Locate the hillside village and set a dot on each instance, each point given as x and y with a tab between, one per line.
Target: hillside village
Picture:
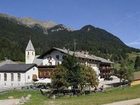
69	52
85	61
39	67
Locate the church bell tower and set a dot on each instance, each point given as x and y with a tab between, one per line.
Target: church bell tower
29	53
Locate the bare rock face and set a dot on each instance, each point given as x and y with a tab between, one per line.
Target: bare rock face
32	22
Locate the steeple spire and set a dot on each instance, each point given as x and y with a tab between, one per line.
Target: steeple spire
29	53
30	46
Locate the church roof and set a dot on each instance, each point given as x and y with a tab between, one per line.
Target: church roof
16	67
30	46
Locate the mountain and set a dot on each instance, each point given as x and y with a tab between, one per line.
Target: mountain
33	23
15	34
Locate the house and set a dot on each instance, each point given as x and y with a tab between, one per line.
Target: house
17	75
53	57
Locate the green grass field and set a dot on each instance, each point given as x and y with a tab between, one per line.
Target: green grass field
112	95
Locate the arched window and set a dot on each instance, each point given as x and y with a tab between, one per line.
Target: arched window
57	57
28	77
19	76
5	77
12	76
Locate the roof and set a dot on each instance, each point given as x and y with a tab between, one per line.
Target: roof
137	75
103	60
16	67
77	54
37	60
30	46
7	61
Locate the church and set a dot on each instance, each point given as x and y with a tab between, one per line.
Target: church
13	74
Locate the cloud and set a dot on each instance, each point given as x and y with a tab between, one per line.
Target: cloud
134	43
137	42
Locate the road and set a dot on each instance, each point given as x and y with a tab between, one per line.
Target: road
126	102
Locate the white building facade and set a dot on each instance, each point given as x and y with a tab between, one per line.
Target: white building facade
17	75
55	56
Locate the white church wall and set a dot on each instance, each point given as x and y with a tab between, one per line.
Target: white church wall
29	74
29	57
9	83
25	78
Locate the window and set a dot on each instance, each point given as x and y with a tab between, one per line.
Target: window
32	53
57	56
50	60
28	77
28	52
19	76
49	57
12	76
50	63
5	77
0	77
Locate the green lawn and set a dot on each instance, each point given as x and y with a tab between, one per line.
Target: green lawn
112	95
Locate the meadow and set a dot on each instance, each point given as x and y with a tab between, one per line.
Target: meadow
110	95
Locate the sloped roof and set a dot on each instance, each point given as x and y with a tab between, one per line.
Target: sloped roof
103	60
8	61
16	67
77	54
37	60
30	46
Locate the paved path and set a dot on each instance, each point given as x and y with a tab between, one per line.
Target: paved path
127	102
9	101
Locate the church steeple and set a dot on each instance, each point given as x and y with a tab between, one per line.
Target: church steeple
29	53
30	46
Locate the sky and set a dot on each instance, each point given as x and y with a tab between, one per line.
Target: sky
119	17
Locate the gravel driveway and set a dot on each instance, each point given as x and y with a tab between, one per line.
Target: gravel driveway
9	102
